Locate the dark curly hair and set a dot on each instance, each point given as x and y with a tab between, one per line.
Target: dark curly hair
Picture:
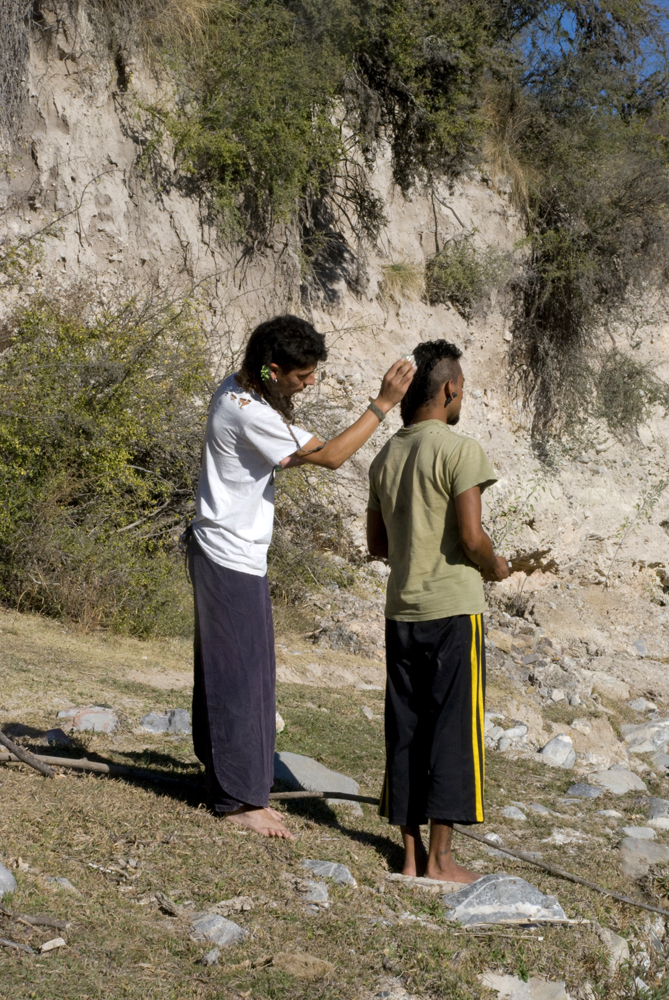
289	342
430	375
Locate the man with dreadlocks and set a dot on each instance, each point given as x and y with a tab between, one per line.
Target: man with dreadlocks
249	435
424	516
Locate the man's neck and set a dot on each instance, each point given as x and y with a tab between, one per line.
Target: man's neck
430	413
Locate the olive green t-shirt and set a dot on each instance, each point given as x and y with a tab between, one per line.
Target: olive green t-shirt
413	481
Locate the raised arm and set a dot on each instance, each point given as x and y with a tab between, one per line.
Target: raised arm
475	541
335	452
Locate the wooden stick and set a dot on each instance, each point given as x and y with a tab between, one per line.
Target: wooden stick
560	872
4	943
26	757
348	796
83	764
38	921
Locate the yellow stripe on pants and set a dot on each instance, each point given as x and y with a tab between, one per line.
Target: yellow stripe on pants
479	619
475	704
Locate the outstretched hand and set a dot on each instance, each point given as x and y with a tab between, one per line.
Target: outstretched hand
396	381
497	572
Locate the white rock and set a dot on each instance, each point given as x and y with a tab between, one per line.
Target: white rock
513	988
557	694
636	856
581	726
367	712
280	723
537	808
58	942
299	772
499	899
7	881
640	832
512	812
330	869
559	752
616	946
93	718
617	780
217	929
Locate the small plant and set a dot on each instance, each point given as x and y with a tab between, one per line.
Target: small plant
511	510
627	391
463	274
403	278
644	510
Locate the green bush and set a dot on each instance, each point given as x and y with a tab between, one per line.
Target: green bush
627	391
100	435
464	274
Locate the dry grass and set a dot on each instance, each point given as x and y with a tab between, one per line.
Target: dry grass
121	945
403	278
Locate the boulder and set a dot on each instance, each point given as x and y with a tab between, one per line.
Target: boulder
7	881
636	856
330	869
155	722
297	772
559	752
617	780
93	718
502	898
217	929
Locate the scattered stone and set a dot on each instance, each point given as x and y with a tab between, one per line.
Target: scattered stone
658	814
516	732
300	965
502	640
501	898
95	718
55	738
513	988
237	904
314	892
610	813
330	869
640	647
581	726
616	946
640	832
368	687
512	812
575	700
212	927
298	772
211	957
175	721
636	856
617	780
367	712
641	987
540	810
661	760
609	686
63	883
641	705
167	905
155	722
493	838
7	881
557	694
58	942
559	752
280	723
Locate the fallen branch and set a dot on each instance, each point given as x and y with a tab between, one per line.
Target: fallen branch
83	764
38	921
348	796
26	757
4	943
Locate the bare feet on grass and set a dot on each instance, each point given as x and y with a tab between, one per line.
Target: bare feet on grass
415	855
448	871
267	822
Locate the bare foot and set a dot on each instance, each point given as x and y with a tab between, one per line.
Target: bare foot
415	855
262	821
448	871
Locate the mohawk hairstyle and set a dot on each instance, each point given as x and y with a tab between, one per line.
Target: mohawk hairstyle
435	364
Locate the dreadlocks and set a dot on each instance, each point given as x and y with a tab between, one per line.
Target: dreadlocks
287	341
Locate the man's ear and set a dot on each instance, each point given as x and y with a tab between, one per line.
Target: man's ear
449	390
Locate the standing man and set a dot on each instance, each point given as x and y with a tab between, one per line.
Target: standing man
424	516
249	435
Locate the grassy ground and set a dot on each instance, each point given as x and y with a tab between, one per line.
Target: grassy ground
119	843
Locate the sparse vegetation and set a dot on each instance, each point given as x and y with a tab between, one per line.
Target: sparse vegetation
403	278
463	274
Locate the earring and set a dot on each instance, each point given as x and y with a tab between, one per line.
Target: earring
453	396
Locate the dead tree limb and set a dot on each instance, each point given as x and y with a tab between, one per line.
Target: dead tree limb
4	943
26	757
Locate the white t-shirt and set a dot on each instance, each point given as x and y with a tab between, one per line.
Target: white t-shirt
244	441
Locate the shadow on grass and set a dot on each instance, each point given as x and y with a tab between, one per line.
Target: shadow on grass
318	811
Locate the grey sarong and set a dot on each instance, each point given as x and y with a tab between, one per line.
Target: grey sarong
234	712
